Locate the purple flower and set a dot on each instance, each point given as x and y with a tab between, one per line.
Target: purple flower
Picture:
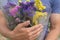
11	4
25	5
14	10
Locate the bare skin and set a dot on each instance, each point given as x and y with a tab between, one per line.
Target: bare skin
20	32
55	27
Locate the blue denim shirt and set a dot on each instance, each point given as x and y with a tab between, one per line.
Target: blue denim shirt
52	6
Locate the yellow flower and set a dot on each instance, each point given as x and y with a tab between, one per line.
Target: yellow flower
37	16
28	0
39	5
20	0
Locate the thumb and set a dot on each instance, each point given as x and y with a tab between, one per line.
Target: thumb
26	23
21	25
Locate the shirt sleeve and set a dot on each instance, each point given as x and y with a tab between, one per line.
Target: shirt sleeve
55	6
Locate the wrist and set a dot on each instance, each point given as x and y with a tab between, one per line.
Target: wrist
10	34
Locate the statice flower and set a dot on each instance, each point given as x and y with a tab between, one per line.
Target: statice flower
33	11
28	11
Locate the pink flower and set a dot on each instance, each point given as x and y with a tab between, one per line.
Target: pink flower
14	10
17	20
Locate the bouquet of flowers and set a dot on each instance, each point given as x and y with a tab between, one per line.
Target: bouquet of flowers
33	11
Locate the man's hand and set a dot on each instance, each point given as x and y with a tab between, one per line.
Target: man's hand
22	33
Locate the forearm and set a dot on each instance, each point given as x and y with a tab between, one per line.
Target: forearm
3	25
55	27
53	34
4	31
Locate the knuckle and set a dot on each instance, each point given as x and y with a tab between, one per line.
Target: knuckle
27	31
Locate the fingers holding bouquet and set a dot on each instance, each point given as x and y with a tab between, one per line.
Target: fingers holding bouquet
22	33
